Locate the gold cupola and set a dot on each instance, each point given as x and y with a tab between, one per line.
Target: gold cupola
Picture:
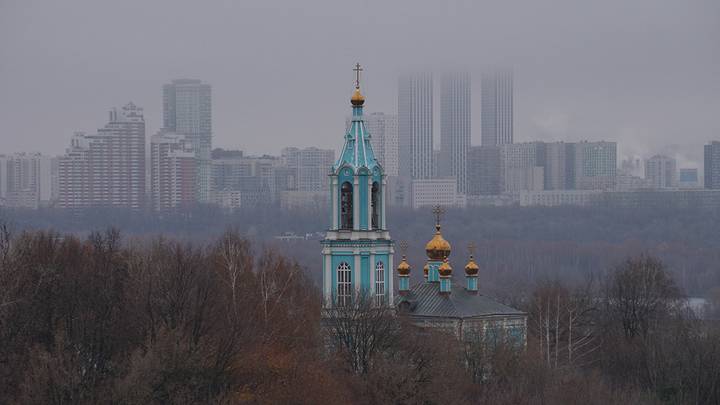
403	268
357	98
471	268
445	270
438	248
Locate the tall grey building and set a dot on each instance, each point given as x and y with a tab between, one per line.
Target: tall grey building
187	110
496	100
484	171
661	172
415	125
712	165
455	127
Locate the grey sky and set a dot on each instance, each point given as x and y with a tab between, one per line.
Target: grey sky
645	73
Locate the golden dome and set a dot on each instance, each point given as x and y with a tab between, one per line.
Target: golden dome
438	248
426	269
404	267
445	270
357	98
472	269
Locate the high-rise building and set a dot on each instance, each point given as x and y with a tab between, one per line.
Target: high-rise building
661	172
108	168
187	110
383	130
496	100
173	172
455	127
594	165
250	179
415	125
554	158
26	180
712	165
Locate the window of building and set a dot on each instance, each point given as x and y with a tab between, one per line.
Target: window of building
344	285
379	283
346	206
375	205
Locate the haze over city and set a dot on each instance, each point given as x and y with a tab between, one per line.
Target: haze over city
643	73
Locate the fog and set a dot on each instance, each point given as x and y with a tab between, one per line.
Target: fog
644	73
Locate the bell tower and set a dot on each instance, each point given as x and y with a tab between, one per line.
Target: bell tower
357	249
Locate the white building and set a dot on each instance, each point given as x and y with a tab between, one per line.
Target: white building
107	168
311	165
554	198
440	191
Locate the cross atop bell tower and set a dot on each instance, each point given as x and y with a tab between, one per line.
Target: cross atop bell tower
357	71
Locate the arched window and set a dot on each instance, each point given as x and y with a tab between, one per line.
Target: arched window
379	283
346	206
344	285
375	205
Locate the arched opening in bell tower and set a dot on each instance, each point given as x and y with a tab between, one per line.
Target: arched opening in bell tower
346	206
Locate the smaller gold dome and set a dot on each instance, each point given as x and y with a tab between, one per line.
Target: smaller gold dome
404	267
357	98
445	270
472	269
426	269
438	248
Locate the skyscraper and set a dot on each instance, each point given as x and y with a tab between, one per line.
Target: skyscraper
108	168
173	172
712	165
415	125
496	100
455	127
26	180
594	165
187	110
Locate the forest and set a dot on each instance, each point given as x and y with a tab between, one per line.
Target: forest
109	318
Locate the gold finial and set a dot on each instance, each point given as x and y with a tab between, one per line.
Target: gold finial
471	269
471	249
438	211
357	98
357	70
404	267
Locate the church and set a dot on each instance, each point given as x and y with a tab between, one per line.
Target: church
358	253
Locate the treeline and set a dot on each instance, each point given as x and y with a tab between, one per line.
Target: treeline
106	319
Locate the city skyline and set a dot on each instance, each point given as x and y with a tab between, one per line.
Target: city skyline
618	77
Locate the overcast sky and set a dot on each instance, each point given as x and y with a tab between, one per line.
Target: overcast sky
644	73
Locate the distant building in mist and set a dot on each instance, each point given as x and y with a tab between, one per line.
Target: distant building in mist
521	168
187	110
484	171
455	131
383	129
688	178
173	172
661	172
594	165
243	181
415	126
27	180
310	166
107	168
712	165
496	100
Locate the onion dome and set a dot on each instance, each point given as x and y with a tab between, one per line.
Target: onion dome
445	270
438	248
403	268
471	268
426	269
357	98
